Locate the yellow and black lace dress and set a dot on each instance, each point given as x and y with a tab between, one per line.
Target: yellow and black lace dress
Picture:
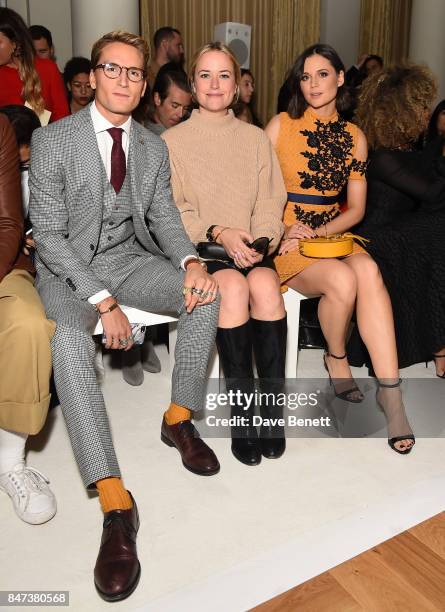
317	158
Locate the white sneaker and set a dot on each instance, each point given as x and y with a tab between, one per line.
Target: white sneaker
33	500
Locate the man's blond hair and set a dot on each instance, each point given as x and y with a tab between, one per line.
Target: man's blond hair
121	36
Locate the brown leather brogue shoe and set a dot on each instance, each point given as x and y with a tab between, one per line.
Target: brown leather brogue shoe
117	569
196	455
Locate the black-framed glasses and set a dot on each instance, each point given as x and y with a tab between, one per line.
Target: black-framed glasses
113	71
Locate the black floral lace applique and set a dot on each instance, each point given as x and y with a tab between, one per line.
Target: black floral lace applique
330	164
358	166
315	219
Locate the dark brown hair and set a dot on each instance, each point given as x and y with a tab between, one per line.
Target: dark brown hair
298	104
167	32
168	75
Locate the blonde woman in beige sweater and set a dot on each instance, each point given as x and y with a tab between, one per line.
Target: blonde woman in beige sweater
228	186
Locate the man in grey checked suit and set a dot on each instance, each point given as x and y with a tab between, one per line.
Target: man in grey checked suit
107	232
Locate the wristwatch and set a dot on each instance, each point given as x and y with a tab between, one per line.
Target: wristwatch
196	260
209	233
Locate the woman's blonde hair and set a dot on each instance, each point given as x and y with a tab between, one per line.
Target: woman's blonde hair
215	46
393	103
13	26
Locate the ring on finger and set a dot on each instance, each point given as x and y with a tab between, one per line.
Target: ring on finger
197	291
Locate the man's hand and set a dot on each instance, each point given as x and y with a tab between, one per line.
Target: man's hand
199	287
117	328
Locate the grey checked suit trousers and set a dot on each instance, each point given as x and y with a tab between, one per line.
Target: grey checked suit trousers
66	213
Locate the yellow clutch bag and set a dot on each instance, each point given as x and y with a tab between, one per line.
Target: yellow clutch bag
335	245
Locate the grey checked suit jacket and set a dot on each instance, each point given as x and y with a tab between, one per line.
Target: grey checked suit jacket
66	199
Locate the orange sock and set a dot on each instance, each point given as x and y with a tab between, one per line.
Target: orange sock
176	414
112	495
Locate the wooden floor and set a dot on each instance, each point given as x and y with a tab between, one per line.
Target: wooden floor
405	573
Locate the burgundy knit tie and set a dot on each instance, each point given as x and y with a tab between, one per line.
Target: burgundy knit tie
118	166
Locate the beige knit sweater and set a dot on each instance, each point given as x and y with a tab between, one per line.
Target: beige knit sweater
225	172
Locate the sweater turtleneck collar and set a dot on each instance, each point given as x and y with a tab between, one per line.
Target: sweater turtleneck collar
213	124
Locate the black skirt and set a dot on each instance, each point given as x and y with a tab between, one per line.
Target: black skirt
217	265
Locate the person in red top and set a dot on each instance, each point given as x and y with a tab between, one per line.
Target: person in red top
25	77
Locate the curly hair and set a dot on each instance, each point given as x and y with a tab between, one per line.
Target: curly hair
393	105
76	65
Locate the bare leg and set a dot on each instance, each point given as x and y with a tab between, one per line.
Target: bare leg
439	360
337	285
266	301
376	326
234	290
374	316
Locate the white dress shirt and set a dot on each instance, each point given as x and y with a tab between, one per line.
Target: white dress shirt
104	139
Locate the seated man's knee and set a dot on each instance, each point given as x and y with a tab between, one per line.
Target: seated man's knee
70	340
213	307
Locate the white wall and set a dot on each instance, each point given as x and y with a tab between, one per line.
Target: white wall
427	42
339	27
91	20
54	15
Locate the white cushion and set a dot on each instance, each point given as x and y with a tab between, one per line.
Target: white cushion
138	316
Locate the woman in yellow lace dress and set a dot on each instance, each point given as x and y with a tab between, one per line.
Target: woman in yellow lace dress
320	154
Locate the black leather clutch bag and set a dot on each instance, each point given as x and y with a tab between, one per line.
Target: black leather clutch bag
212	251
215	251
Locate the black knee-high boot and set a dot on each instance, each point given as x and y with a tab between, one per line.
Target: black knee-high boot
269	345
235	352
